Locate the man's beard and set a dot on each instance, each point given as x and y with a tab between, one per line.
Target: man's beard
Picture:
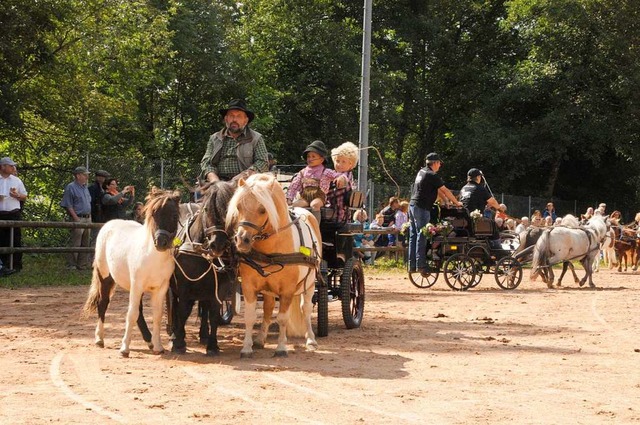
234	128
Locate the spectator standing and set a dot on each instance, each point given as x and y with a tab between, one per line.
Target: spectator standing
76	200
587	215
12	195
235	148
428	186
550	211
389	217
536	218
602	208
115	202
96	190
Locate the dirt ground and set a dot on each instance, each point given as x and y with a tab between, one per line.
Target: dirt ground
485	356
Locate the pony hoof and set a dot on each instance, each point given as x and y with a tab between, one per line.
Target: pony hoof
280	354
258	344
150	345
100	344
182	350
246	355
157	353
213	353
204	341
124	354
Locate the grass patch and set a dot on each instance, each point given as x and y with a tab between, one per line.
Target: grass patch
45	270
386	264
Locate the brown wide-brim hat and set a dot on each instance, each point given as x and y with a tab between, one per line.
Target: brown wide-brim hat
240	105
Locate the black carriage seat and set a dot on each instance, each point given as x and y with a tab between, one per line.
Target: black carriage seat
460	220
486	228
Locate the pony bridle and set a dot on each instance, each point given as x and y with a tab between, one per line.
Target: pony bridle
260	230
211	231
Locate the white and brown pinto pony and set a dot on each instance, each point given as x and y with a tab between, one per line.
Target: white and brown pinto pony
280	252
560	244
139	258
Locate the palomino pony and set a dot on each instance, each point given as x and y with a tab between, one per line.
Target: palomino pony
201	274
560	244
139	258
280	254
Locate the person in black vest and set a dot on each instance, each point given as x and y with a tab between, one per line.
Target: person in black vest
428	187
236	148
96	190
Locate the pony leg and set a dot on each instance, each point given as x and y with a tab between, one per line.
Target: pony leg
144	329
576	279
307	306
249	321
550	277
204	311
157	297
268	304
105	289
212	310
283	320
135	298
183	310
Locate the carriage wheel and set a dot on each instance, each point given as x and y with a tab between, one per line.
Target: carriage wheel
321	299
479	255
352	293
226	311
459	272
508	273
424	281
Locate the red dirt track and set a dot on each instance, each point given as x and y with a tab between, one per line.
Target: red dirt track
483	356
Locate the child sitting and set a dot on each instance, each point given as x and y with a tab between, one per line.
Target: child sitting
310	186
345	158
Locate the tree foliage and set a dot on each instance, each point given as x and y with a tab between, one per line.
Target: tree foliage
540	94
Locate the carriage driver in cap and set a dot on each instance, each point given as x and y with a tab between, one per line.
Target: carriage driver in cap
474	195
235	148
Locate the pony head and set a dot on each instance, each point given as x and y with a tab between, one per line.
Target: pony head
217	196
257	209
161	216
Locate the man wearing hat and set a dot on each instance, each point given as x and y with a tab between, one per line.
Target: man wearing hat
76	200
12	193
235	148
475	196
428	187
96	192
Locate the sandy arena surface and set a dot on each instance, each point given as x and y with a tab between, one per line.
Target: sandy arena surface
434	356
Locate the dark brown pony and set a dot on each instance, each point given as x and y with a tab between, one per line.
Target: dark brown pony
626	246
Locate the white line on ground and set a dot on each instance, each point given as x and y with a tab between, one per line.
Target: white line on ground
54	374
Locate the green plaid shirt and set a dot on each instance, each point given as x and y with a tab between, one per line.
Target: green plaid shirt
225	155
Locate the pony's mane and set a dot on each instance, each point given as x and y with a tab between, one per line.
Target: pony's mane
215	201
266	191
570	220
155	200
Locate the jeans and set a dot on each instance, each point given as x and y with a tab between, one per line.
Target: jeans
418	218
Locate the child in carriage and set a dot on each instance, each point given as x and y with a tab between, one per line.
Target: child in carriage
310	186
345	159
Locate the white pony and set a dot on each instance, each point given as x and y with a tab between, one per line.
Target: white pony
139	258
608	251
559	244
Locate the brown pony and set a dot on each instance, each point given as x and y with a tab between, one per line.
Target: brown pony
626	246
280	252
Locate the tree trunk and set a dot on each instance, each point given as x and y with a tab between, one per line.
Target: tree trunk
553	177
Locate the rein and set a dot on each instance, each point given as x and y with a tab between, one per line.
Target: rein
261	235
260	261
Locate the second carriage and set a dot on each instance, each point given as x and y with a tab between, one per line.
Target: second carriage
466	250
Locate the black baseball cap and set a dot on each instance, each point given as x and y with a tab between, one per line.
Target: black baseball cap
434	157
474	172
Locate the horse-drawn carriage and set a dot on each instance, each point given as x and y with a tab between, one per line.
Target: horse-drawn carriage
465	250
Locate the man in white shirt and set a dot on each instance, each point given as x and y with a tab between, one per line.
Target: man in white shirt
12	193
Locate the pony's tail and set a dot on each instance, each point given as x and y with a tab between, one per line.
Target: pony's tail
297	325
540	255
93	298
